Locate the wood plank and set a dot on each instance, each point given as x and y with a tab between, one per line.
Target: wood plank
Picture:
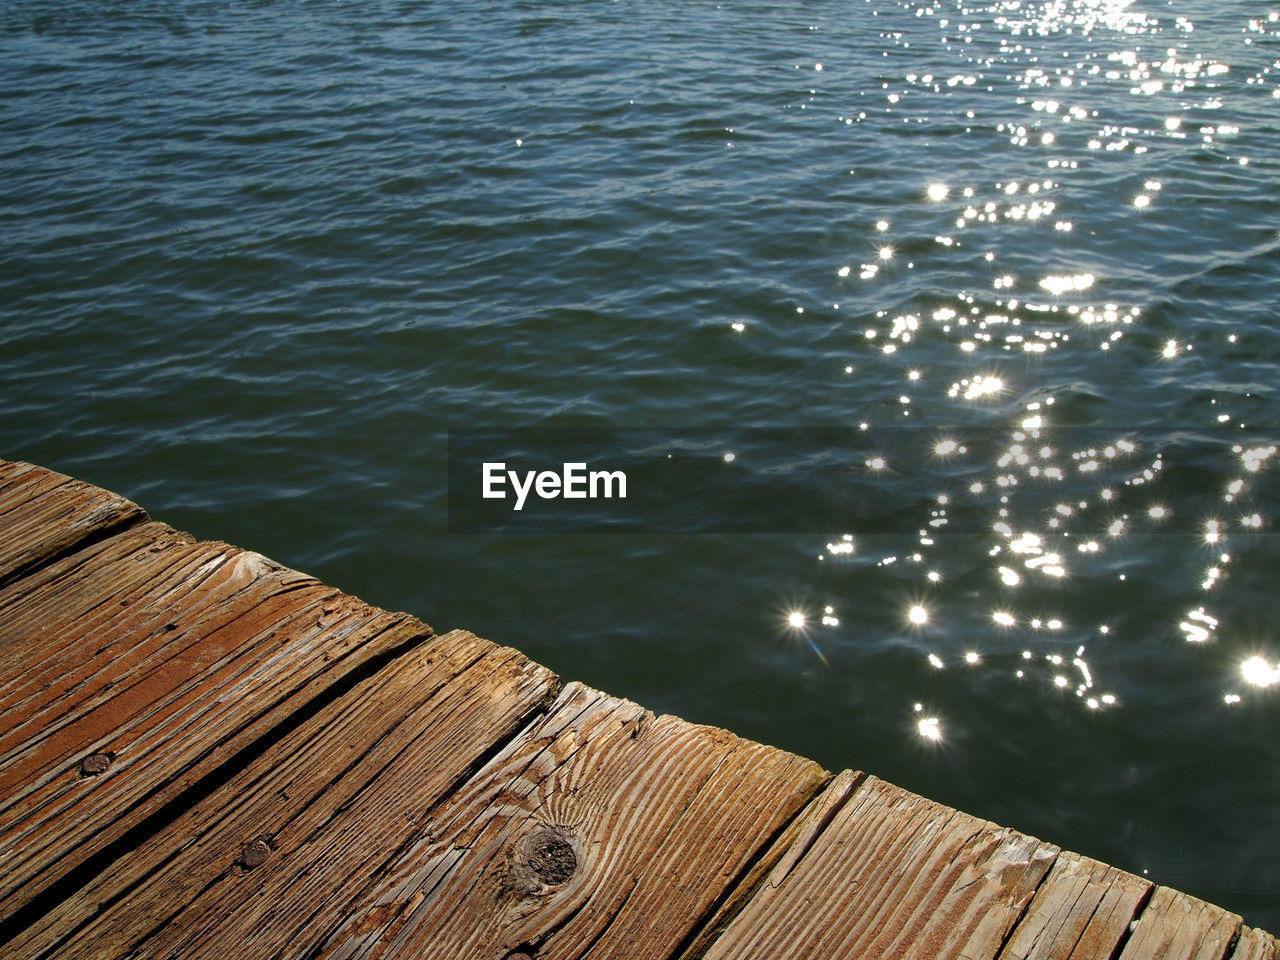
137	665
1081	911
798	837
302	829
598	831
1175	926
892	875
44	515
601	832
1255	945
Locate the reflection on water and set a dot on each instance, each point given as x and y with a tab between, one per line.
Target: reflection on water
1259	673
1026	252
1096	89
1061	517
930	727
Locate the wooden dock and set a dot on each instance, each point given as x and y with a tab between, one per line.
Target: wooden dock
206	754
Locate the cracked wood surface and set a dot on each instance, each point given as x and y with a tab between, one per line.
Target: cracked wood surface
1176	926
45	514
597	831
286	849
132	667
204	754
1256	945
891	874
1081	911
601	831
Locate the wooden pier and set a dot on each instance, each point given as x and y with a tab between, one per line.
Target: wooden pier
206	754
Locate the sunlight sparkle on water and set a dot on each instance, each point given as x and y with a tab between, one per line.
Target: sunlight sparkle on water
843	547
1058	285
1259	672
978	387
1198	626
796	620
1257	457
930	728
968	331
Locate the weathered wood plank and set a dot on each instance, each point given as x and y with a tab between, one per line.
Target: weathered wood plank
299	833
599	831
1175	926
1255	945
44	515
138	664
798	837
363	789
1081	911
892	875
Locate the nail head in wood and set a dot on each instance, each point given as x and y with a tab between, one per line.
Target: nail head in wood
255	854
95	764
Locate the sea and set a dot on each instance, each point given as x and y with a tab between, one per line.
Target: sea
936	344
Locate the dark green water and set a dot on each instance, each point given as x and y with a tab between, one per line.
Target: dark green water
257	260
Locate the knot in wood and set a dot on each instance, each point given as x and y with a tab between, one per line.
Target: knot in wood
546	855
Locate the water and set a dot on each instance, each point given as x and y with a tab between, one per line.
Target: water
259	259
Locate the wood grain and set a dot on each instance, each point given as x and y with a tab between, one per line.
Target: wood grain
302	831
44	515
204	754
600	832
1255	945
798	837
1082	911
138	664
892	875
1175	926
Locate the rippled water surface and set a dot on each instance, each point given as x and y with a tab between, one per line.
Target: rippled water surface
258	259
